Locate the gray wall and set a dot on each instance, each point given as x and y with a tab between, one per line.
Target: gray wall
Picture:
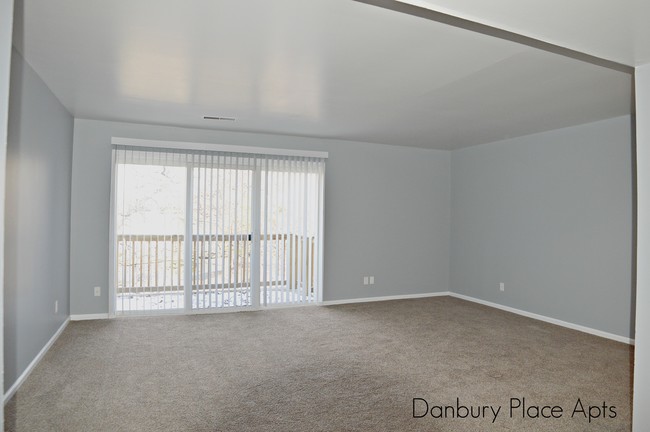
386	213
550	215
642	351
37	241
6	27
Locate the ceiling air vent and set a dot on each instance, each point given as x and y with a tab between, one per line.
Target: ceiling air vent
218	118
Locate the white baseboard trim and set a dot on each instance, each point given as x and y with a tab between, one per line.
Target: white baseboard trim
547	319
86	317
385	298
28	370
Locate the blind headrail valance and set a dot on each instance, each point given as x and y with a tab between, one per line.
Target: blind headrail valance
181	145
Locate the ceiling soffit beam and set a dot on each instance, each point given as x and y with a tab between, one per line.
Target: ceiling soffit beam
476	27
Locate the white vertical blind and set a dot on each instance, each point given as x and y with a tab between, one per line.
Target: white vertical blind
249	225
291	222
222	230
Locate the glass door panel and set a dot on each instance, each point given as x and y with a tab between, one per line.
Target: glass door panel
150	227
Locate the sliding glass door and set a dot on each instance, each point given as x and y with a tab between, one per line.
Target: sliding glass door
249	226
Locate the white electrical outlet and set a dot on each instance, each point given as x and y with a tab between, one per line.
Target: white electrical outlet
372	280
502	286
56	306
365	280
98	291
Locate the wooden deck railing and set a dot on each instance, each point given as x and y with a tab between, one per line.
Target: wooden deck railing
154	263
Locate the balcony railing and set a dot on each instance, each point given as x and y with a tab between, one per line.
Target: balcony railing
154	263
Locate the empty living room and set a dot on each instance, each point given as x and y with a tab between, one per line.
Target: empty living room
325	215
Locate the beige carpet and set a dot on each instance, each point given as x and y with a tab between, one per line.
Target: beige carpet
337	368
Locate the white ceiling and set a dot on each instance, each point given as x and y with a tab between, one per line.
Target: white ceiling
325	68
